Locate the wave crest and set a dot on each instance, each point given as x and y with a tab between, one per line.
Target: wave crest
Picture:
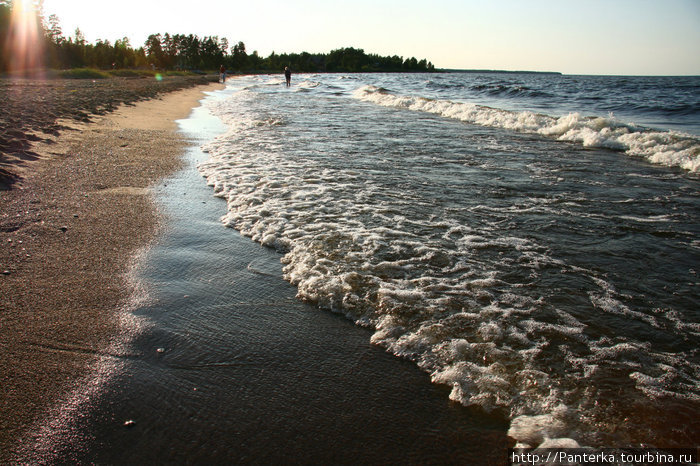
669	148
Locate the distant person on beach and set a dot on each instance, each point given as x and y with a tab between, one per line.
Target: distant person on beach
222	72
288	75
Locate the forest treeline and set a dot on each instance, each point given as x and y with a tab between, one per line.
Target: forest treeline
184	52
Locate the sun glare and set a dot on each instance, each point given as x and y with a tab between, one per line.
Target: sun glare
25	42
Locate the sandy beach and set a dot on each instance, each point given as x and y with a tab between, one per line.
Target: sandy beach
78	210
220	360
137	329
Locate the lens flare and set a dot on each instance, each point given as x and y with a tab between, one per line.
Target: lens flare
24	47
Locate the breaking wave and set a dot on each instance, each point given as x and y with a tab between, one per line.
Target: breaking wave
670	148
507	282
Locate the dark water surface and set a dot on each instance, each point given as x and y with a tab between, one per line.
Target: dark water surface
531	254
232	368
535	261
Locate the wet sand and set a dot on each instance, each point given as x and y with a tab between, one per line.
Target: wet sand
225	365
78	212
221	363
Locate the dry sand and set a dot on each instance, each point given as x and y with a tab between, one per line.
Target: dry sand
68	235
32	110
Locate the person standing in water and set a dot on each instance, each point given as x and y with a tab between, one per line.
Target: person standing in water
222	73
288	75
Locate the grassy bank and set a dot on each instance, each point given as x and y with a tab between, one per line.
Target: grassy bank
92	73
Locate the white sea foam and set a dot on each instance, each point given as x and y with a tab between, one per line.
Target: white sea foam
451	293
668	148
541	430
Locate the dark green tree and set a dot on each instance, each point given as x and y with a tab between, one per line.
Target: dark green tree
5	14
154	50
239	57
54	33
124	55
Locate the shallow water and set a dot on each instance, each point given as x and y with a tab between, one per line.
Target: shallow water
535	261
534	258
227	366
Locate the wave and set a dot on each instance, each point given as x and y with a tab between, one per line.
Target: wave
491	89
669	148
508	90
451	294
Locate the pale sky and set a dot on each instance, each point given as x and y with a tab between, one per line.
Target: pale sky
629	37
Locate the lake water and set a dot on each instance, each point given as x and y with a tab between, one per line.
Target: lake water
529	240
431	268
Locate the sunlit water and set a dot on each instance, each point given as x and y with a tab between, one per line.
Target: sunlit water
531	241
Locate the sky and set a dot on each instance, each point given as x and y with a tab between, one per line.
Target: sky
609	37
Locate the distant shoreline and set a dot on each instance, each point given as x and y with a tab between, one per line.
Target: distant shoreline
558	73
447	70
